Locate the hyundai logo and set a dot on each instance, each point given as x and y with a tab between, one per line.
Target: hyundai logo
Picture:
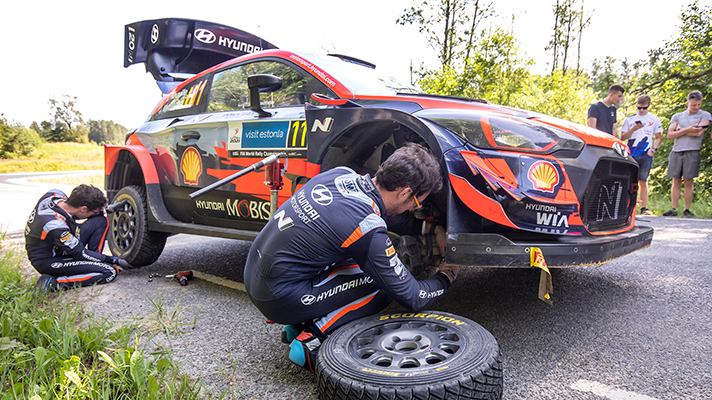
620	149
154	34
308	299
322	195
204	36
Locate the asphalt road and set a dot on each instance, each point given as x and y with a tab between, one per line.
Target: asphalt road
636	328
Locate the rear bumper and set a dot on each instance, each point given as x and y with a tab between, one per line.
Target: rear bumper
494	250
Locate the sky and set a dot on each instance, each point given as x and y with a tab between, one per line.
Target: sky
73	47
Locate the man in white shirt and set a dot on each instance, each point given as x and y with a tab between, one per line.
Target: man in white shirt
687	129
643	131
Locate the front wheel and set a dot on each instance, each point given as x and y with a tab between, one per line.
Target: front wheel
426	355
129	237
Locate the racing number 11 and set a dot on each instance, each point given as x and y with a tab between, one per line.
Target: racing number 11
297	129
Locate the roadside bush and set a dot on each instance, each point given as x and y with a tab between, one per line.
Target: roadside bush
16	140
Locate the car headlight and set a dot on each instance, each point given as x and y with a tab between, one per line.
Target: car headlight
496	132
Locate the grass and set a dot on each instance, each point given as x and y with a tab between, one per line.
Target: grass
58	157
50	348
658	204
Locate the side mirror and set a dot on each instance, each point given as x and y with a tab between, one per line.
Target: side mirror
261	83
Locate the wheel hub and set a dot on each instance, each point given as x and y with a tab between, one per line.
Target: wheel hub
405	345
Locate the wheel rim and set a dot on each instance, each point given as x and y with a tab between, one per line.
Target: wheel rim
124	227
406	345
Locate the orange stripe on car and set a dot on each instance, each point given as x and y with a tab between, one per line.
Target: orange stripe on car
479	203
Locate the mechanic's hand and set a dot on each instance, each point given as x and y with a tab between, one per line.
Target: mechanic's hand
123	264
115	207
449	270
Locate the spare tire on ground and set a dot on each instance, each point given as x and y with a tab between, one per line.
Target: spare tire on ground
424	355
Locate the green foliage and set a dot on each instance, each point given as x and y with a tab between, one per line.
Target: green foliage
565	96
498	74
51	349
672	71
494	73
102	132
16	140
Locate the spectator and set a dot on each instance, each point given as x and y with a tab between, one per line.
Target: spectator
643	131
687	128
602	115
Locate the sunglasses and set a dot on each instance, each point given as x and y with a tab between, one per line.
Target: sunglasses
417	203
643	108
694	96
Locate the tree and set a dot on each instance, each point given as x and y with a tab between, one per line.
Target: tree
16	140
449	26
66	120
569	24
106	132
671	72
494	73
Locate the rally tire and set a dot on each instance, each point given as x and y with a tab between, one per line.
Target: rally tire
129	237
426	356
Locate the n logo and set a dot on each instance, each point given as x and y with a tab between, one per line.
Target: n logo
609	198
323	126
284	223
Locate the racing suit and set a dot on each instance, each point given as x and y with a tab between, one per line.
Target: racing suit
326	257
57	245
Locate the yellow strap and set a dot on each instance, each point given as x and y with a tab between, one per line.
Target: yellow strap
546	286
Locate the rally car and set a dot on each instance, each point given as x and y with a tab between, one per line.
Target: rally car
514	180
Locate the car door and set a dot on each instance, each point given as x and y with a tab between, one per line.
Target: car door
227	136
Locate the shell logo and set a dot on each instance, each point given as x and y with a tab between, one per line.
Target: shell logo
191	166
544	176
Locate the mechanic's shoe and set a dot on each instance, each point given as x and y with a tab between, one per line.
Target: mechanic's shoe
671	213
303	350
46	283
290	332
688	213
645	211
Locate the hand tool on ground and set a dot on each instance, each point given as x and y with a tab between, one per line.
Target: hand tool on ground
182	277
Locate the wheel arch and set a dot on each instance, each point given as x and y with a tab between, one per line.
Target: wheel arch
129	165
354	131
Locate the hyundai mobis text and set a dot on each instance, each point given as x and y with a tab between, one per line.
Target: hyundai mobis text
514	180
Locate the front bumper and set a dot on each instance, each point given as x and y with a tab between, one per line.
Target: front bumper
494	250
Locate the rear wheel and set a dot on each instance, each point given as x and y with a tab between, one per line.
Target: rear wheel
129	237
426	355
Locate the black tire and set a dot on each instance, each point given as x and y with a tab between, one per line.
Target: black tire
129	237
425	355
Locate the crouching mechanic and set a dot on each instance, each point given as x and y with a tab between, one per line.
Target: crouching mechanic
325	258
67	253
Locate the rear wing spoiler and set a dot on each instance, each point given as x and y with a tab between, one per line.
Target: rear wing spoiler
174	49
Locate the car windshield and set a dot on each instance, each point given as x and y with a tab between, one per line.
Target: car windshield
360	79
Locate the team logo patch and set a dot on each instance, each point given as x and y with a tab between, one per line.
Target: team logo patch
322	195
65	236
191	166
390	251
543	176
308	299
